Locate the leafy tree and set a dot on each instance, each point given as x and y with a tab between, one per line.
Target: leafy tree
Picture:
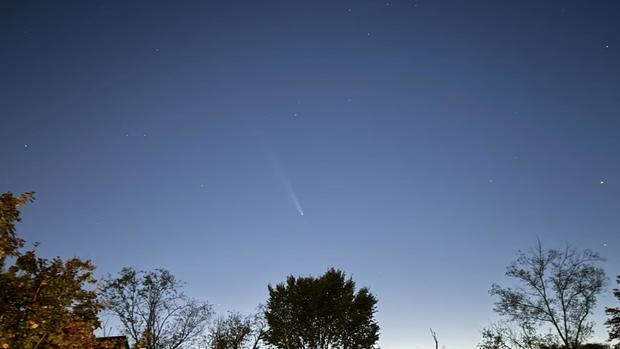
557	288
614	316
9	215
321	313
153	310
43	303
236	331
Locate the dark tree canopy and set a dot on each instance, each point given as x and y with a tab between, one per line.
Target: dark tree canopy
43	303
614	316
321	313
556	288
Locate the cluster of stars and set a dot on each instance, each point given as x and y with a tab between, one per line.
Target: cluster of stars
143	134
601	182
387	4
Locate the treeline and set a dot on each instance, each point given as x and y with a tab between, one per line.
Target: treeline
56	303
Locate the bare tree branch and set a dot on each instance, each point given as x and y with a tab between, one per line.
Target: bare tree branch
154	312
558	288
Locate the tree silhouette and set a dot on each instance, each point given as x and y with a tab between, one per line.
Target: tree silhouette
236	331
614	316
153	310
557	288
321	313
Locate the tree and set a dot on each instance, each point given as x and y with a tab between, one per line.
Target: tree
236	331
153	310
9	215
511	335
557	288
43	303
321	313
614	316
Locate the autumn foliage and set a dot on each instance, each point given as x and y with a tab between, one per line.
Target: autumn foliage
44	303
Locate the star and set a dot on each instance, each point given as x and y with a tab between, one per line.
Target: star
604	244
602	182
606	45
25	145
491	180
295	114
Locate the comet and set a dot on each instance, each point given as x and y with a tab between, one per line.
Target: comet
288	185
278	170
291	193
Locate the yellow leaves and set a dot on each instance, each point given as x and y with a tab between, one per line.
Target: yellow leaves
45	301
24	199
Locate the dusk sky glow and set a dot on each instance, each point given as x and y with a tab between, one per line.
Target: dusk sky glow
415	144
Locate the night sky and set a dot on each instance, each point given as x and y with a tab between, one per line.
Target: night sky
417	145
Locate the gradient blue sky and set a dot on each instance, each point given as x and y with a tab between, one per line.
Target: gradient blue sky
426	142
